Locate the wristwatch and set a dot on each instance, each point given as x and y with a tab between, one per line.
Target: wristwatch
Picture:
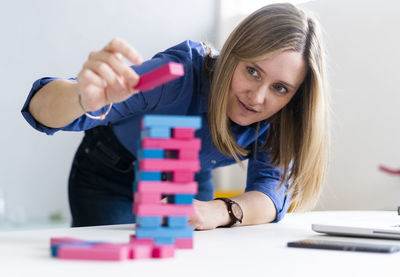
234	210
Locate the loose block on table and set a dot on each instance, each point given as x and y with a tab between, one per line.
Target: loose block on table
171	121
94	253
159	76
163	251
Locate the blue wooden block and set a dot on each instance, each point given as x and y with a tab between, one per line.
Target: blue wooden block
149	176
177	221
183	198
172	121
163	240
149	221
151	154
55	247
164	232
156	132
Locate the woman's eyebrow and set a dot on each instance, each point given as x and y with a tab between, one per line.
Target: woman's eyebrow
280	81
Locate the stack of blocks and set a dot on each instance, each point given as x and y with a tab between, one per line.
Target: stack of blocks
167	162
168	158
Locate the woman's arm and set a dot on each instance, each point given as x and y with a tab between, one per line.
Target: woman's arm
56	104
104	79
257	208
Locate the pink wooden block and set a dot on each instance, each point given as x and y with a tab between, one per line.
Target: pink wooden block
184	243
183	176
105	253
64	240
141	241
167	187
148	197
163	209
185	154
164	251
169	165
183	133
159	76
171	144
136	249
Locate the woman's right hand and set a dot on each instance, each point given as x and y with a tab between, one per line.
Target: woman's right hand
105	78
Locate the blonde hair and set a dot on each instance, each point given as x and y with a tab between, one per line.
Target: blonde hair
298	137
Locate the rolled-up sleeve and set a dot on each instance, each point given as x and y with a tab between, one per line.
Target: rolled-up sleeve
262	177
161	99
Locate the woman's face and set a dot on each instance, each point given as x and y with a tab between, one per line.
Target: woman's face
260	89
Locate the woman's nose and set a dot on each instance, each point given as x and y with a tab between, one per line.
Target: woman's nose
257	95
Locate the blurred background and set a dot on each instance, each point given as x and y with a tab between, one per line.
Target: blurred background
53	38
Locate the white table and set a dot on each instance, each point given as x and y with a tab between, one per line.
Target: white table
243	251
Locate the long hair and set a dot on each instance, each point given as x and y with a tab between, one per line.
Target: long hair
298	139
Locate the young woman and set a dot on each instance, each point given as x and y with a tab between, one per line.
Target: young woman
262	98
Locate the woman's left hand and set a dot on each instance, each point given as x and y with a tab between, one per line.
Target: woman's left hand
209	215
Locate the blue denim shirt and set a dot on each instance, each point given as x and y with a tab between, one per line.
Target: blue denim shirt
184	96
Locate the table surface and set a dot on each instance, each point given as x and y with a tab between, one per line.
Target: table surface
240	251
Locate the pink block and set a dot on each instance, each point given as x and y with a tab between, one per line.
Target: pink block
171	144
136	249
141	241
183	133
184	243
167	187
64	240
105	253
185	154
159	76
164	251
148	197
169	165
183	176
163	209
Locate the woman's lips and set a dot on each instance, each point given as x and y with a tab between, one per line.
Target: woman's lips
246	108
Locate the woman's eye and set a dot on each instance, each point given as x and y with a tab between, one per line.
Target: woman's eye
252	72
280	88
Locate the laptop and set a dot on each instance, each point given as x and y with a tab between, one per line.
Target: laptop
389	232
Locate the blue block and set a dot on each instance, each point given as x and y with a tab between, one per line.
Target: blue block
164	232
177	221
156	132
55	247
149	176
164	240
172	121
149	221
183	198
151	154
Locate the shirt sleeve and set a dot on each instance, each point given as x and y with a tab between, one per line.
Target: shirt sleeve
262	177
159	99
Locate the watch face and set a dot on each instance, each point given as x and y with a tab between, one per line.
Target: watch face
237	211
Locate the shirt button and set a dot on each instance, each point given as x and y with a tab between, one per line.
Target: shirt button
213	161
87	150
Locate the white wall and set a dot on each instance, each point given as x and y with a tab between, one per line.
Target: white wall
53	38
363	47
362	39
